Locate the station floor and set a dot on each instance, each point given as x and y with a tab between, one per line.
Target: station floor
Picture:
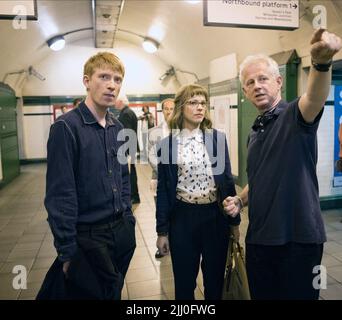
25	239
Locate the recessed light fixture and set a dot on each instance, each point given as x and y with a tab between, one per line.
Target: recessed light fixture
150	45
56	43
193	1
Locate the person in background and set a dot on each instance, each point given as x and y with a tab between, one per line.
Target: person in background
339	160
285	236
64	109
76	102
88	190
194	176
147	122
155	135
129	120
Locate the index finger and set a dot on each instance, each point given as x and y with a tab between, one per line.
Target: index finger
317	36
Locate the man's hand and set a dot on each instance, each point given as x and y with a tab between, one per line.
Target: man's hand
153	185
163	245
66	267
324	46
232	206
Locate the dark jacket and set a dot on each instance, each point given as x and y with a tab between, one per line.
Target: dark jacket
217	148
129	120
86	180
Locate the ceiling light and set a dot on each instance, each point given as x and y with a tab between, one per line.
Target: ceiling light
150	45
56	43
193	1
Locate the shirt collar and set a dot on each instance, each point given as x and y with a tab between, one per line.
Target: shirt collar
88	117
280	107
186	135
264	119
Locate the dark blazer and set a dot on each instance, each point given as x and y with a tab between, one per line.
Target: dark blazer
168	175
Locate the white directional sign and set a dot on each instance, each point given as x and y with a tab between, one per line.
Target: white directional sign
15	9
261	14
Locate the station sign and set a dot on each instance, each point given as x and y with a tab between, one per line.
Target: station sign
260	14
18	9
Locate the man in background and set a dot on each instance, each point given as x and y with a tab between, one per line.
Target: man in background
155	135
129	121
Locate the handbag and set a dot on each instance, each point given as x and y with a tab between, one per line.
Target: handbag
235	286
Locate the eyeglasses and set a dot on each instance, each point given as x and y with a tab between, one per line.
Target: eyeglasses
195	103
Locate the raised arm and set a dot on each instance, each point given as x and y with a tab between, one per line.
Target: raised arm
324	46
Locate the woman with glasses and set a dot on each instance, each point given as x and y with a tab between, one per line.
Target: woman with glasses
194	176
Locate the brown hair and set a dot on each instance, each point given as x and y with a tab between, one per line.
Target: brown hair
182	97
102	60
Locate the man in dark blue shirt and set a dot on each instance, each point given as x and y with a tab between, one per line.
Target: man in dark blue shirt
285	236
87	185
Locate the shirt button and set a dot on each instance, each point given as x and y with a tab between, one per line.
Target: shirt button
262	130
110	172
114	189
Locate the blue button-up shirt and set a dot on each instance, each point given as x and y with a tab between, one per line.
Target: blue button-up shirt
85	181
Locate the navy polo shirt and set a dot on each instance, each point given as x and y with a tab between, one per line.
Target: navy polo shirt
283	196
85	181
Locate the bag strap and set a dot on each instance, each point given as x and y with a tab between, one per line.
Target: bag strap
229	260
237	249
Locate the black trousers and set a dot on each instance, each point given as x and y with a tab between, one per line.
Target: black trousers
98	268
283	272
198	231
109	248
134	183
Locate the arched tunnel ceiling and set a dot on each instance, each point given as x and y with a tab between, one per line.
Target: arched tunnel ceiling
176	24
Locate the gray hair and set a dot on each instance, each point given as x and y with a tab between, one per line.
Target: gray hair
273	66
124	99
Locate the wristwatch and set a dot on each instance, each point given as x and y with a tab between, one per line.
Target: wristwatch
162	234
321	67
